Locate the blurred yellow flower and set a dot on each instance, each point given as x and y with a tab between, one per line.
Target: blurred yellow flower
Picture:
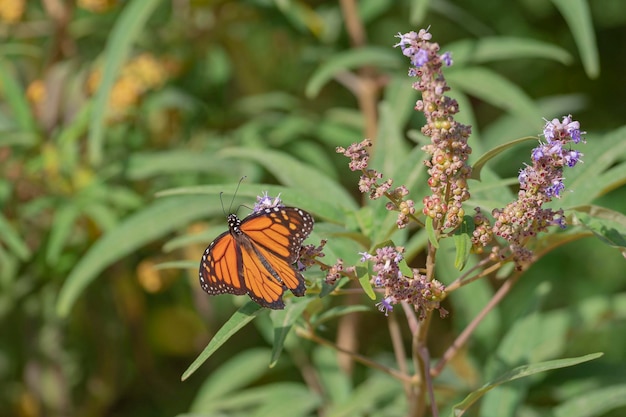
11	11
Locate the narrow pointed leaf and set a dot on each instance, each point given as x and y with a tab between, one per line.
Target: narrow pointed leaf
517	373
237	321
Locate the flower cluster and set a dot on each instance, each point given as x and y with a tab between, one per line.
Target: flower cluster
309	254
539	184
416	290
142	74
265	201
370	182
483	233
447	167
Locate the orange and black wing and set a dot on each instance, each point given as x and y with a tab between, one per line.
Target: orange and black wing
220	267
270	244
256	256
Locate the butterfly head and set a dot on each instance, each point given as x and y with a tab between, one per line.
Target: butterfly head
234	223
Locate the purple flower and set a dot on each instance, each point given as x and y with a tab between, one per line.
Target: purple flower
405	39
537	153
555	189
523	176
572	157
385	306
559	221
447	59
420	58
264	201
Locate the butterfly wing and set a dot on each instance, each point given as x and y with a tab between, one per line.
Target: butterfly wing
270	244
220	266
256	256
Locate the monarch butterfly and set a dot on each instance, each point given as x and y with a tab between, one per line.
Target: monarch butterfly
256	255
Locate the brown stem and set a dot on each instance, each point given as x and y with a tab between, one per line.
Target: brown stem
425	356
369	83
398	349
307	334
467	332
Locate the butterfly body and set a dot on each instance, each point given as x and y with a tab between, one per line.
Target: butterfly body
256	256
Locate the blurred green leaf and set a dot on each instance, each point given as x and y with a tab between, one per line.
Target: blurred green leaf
593	403
61	230
290	196
336	382
282	399
239	371
298	175
495	90
491	49
366	397
517	373
583	179
338	311
153	222
419	9
12	239
578	16
350	60
149	164
283	321
126	29
15	97
237	321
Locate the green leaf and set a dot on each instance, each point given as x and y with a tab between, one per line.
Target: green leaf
15	97
349	60
236	322
430	230
492	153
155	221
238	372
593	403
283	321
150	164
496	90
61	230
366	397
127	27
297	174
177	265
279	399
607	225
337	383
578	16
418	11
612	179
517	373
364	280
603	153
493	49
13	240
338	311
288	400
290	196
463	242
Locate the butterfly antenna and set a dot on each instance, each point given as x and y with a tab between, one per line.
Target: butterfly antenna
230	207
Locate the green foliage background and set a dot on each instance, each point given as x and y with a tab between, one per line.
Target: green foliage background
91	324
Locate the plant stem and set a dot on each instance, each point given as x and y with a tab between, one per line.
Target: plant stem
467	332
310	335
